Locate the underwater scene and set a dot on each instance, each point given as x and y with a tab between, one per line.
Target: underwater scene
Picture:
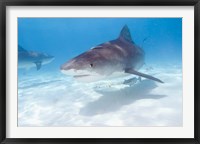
100	72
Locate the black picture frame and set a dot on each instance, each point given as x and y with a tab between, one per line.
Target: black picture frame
5	3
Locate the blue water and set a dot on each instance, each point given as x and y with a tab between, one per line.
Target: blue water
49	98
67	37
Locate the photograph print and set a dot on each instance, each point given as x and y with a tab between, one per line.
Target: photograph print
100	72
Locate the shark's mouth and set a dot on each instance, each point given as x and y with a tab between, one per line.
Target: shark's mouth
79	76
83	76
75	73
87	77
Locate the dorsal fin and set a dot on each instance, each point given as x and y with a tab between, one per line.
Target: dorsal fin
125	34
21	49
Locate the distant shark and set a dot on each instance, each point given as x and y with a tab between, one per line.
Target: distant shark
28	59
114	58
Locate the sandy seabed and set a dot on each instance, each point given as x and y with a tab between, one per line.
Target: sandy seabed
54	99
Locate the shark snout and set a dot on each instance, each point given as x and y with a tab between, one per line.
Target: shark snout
69	69
68	65
65	67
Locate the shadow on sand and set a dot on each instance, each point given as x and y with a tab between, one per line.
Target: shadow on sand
114	100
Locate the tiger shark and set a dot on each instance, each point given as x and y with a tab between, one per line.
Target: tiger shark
115	58
28	59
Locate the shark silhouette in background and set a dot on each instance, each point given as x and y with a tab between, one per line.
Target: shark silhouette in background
28	59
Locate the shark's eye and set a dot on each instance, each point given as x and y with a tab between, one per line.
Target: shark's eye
91	65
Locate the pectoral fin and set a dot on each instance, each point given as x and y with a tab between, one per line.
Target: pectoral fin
131	71
38	65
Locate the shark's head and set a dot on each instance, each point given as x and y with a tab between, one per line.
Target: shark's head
88	67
